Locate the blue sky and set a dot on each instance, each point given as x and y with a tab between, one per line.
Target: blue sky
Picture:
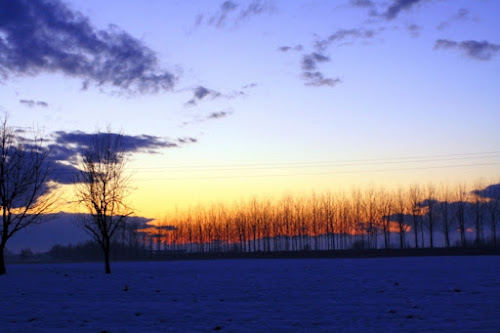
228	99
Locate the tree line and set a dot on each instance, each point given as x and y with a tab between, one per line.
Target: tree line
371	218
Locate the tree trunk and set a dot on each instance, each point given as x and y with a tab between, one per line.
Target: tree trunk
106	261
401	232
2	261
494	234
105	249
446	231
431	231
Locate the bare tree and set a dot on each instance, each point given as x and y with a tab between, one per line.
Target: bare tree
102	187
431	204
478	208
494	210
444	208
25	188
415	198
387	207
461	213
401	206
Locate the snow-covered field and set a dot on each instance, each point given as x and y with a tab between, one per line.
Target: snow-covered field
452	294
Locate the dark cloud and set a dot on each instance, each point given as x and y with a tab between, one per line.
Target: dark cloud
64	173
309	61
397	6
478	50
462	14
131	144
31	103
230	11
316	79
490	192
47	36
67	146
201	92
341	35
311	76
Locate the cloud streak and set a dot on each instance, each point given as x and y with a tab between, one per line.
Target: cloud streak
286	48
47	36
343	34
231	11
462	14
31	103
477	50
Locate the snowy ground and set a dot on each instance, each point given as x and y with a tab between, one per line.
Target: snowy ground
453	294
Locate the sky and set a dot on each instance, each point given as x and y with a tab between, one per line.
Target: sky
225	100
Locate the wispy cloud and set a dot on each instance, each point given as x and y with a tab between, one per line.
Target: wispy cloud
398	6
311	75
309	61
463	14
47	36
207	116
297	47
31	103
414	30
362	3
201	92
187	140
231	12
477	50
218	115
316	79
342	35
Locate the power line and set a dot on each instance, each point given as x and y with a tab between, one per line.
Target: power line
304	165
320	173
323	164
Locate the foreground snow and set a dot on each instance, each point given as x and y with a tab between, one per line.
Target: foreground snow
326	295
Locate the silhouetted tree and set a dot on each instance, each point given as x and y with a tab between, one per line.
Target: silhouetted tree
478	207
431	204
102	187
401	206
26	193
386	211
492	193
444	208
415	198
461	211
